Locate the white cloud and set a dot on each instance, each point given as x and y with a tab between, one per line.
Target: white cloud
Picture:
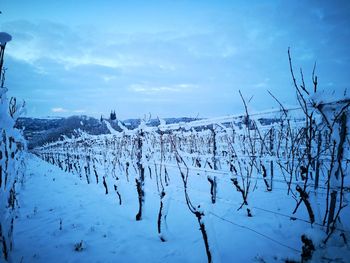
148	88
59	109
108	78
79	111
262	84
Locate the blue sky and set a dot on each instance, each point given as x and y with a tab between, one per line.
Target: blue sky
169	58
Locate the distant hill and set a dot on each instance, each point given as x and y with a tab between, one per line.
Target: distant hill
39	131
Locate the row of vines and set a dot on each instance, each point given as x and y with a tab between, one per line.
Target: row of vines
12	166
240	153
304	150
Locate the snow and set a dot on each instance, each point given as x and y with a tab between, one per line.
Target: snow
110	232
110	129
4	38
12	165
68	214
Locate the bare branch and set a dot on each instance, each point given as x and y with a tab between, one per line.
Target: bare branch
302	86
284	110
300	96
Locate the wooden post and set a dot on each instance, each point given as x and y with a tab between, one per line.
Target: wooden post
140	181
271	172
271	162
317	174
214	148
331	209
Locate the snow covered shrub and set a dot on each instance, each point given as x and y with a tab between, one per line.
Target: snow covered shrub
12	147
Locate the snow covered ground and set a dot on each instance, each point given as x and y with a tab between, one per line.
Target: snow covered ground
109	232
58	210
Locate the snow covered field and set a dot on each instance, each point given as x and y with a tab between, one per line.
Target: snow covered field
253	189
58	210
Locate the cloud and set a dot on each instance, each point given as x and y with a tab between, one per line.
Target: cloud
262	84
42	40
64	110
57	110
152	89
79	111
108	78
73	46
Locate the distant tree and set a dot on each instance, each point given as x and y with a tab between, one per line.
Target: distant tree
101	119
